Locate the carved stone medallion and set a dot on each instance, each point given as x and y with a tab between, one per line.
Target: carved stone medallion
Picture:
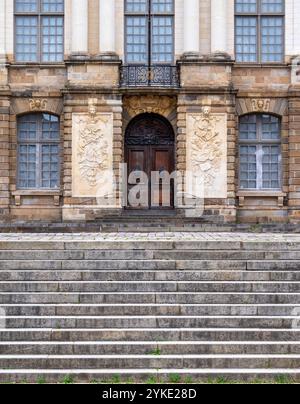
261	105
207	151
38	104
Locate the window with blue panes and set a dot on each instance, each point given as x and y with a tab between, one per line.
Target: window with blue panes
259	31
38	152
39	31
149	31
260	152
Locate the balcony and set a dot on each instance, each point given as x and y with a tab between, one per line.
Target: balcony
133	76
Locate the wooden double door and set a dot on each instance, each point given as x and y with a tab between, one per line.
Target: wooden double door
150	163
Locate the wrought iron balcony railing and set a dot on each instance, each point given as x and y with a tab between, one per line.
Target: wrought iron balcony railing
149	76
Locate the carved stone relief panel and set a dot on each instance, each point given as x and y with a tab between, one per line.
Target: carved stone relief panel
92	153
162	105
207	151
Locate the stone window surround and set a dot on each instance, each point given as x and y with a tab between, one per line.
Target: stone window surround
23	106
273	106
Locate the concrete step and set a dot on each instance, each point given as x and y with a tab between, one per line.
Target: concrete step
149	297
150	310
151	286
130	276
149	361
158	376
150	334
180	322
149	348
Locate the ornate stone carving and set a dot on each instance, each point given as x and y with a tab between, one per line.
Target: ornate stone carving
261	105
136	105
38	104
92	152
207	151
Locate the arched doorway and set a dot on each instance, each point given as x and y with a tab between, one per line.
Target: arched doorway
149	148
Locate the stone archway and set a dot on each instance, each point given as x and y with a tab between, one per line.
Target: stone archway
150	148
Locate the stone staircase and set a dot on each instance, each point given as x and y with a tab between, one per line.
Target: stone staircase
160	307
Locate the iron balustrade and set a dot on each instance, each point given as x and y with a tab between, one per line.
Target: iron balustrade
150	76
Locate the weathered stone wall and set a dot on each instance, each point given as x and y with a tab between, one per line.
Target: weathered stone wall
221	86
4	156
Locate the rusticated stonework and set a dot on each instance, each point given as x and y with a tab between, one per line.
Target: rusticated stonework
162	105
207	151
92	144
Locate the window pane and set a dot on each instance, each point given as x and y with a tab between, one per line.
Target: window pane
248	127
50	166
27	128
270	128
26	39
27	166
272	6
136	6
271	167
248	168
52	39
246	39
162	6
272	39
162	39
50	127
136	39
246	6
26	6
52	6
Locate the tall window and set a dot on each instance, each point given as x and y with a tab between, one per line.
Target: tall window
38	151
260	152
259	26
39	31
149	31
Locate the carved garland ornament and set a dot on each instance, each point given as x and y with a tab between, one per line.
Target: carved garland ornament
206	145
93	149
149	104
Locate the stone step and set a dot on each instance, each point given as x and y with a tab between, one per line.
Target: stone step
185	241
148	255
180	322
149	361
148	297
269	265
148	348
159	376
151	310
129	276
85	264
150	286
151	334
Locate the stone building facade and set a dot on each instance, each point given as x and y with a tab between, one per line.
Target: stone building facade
208	86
